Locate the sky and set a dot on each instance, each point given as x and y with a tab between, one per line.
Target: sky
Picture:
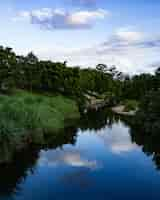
125	33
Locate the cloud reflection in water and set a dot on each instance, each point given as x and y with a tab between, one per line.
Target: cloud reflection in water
66	157
115	138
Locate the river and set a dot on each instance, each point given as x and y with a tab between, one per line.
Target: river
100	158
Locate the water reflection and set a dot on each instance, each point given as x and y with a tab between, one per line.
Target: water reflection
72	158
150	143
15	165
117	138
96	120
79	178
12	174
112	129
101	151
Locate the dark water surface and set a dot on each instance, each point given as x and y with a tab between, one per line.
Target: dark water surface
101	159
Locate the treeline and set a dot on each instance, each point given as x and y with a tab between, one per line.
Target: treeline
30	73
149	114
146	124
138	86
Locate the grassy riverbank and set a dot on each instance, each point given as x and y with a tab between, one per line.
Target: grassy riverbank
22	112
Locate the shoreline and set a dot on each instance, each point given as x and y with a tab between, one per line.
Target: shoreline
120	110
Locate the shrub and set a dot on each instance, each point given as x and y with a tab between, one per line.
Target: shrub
131	105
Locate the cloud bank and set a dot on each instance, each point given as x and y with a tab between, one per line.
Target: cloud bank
48	18
124	39
130	50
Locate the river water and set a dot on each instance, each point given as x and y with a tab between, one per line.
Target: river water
100	158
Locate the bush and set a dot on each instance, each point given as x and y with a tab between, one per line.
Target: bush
149	112
131	105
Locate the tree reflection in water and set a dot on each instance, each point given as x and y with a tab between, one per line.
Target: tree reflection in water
14	171
148	141
96	120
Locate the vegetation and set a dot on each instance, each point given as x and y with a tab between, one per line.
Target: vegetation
39	101
31	74
24	111
149	113
130	105
37	97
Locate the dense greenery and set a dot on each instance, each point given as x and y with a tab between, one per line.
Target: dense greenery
30	73
27	111
130	105
34	75
149	113
50	78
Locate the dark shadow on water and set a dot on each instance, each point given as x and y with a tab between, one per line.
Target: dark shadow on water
149	142
18	164
14	172
96	120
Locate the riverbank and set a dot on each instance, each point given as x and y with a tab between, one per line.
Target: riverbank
121	111
23	112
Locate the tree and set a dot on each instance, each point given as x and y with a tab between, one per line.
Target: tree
31	71
7	66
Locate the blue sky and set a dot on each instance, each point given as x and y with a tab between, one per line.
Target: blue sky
85	32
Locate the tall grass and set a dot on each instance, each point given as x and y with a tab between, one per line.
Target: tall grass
24	111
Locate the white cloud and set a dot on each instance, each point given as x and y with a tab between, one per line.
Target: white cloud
126	34
83	17
130	50
59	19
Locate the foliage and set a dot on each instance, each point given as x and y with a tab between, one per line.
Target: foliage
25	111
149	113
139	85
37	76
30	73
130	105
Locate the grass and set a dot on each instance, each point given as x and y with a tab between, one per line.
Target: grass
24	111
